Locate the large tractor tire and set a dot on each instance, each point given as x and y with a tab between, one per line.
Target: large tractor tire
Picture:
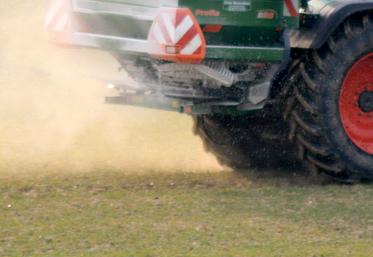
331	105
243	143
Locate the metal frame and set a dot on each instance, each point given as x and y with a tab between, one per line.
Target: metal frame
138	46
98	7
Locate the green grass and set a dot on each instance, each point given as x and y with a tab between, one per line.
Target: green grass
212	214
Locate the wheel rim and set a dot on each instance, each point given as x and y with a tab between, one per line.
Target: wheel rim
356	103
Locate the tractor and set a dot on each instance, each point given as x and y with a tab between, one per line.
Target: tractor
265	81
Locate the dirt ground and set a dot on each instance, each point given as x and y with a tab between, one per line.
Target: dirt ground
53	116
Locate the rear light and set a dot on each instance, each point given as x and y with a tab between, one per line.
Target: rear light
59	22
175	35
212	28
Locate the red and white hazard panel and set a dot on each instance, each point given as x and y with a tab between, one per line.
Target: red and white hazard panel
59	20
291	8
175	35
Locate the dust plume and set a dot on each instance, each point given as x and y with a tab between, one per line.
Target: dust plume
53	117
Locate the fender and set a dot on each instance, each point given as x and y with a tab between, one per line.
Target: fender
331	14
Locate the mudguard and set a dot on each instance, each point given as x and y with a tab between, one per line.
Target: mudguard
331	14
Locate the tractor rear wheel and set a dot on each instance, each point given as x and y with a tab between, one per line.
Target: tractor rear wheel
249	142
331	105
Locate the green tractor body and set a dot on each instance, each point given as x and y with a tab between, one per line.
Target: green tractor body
246	29
248	71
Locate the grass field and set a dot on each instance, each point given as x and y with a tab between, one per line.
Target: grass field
221	214
80	178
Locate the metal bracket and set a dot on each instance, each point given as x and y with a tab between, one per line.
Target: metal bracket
147	98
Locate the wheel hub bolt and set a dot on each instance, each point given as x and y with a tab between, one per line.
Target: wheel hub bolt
366	101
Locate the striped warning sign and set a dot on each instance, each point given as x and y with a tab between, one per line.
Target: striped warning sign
58	17
179	33
291	8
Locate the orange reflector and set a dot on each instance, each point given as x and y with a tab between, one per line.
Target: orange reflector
187	109
175	35
212	28
266	14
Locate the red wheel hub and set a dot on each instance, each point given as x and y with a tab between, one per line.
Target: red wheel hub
356	103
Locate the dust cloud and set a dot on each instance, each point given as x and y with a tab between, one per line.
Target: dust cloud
52	114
